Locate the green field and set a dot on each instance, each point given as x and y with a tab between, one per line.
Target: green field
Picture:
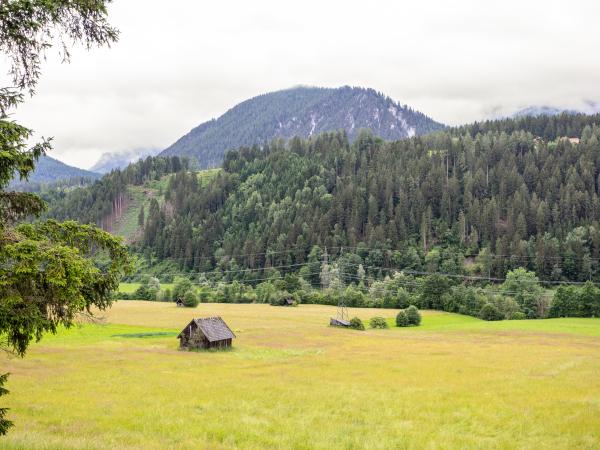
130	288
293	382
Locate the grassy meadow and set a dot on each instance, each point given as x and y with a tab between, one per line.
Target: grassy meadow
293	382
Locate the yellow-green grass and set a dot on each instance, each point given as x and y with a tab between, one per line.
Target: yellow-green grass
130	288
293	382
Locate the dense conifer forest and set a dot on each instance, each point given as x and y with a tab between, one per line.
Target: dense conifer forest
485	198
472	220
475	200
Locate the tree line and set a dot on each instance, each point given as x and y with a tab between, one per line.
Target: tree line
483	199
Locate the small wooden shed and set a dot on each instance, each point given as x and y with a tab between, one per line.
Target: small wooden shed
335	322
208	332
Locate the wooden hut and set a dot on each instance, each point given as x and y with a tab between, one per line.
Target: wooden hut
209	332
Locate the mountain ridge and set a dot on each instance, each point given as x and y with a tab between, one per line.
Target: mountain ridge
50	170
300	111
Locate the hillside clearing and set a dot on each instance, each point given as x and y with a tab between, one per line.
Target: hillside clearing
293	382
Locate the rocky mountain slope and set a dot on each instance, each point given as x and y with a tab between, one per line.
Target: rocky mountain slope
304	112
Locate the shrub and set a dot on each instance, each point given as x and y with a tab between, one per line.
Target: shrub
506	305
264	291
378	322
525	288
401	319
120	296
433	289
413	315
280	298
518	316
403	298
190	299
490	312
234	292
181	288
356	323
203	295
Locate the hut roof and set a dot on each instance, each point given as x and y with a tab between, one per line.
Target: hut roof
214	328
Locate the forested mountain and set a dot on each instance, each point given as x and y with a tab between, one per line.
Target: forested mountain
50	171
481	199
119	160
303	112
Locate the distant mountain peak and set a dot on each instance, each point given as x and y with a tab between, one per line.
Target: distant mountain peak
119	160
588	107
301	111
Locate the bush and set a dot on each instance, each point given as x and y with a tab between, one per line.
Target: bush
403	298
280	298
166	295
518	316
433	289
490	312
181	288
507	306
378	322
401	319
357	324
234	292
190	299
413	315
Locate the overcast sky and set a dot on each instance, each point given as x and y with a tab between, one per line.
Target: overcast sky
182	62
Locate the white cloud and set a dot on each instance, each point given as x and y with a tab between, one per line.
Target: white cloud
180	63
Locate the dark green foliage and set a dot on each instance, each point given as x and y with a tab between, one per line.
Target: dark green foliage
141	217
378	322
402	319
180	288
413	315
464	300
490	312
35	301
589	297
301	111
356	324
566	302
572	301
235	292
290	283
434	287
507	306
283	298
488	198
5	424
525	288
190	299
49	271
518	316
148	290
